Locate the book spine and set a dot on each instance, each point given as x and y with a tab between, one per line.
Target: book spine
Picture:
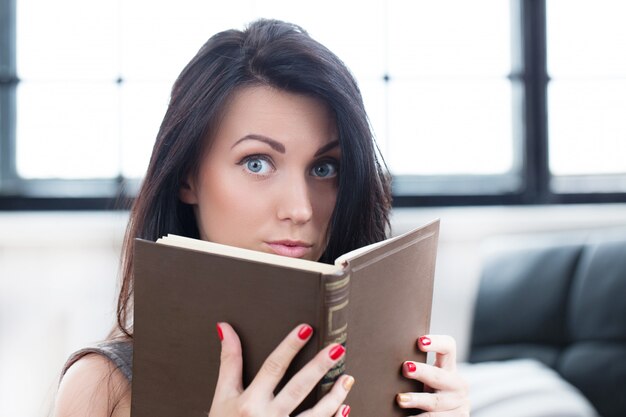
334	322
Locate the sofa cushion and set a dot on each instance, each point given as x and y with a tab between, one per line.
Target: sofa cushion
594	357
564	304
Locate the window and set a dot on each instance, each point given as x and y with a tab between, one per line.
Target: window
450	98
478	102
587	95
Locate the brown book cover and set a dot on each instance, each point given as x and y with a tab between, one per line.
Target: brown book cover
376	300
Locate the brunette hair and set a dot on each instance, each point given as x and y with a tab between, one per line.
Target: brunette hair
268	53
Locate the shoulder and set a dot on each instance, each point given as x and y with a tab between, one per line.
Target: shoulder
93	386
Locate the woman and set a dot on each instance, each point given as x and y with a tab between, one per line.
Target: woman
265	145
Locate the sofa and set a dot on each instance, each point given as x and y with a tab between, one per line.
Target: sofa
554	306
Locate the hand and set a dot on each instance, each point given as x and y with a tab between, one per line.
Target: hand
445	392
231	399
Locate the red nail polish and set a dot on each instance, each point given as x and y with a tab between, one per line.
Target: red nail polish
219	332
410	366
336	352
305	332
346	411
425	341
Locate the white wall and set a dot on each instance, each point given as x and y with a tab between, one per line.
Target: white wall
57	287
58	277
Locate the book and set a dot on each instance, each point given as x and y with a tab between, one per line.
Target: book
375	300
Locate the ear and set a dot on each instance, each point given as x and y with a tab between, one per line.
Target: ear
187	192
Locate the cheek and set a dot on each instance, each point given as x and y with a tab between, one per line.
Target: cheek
323	205
224	196
226	208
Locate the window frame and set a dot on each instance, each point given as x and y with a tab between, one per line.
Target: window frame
529	80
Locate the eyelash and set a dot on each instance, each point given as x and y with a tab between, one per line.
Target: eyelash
260	157
269	161
331	161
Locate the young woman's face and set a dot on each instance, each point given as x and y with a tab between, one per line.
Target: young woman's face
269	179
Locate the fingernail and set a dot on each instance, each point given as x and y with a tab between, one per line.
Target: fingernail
346	411
348	381
425	341
305	332
219	332
404	398
336	352
410	366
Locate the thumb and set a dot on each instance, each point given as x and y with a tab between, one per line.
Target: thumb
229	381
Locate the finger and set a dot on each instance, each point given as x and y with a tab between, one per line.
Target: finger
436	378
344	411
229	382
438	401
444	348
275	366
332	401
303	382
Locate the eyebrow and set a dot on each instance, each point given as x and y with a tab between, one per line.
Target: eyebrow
279	147
327	147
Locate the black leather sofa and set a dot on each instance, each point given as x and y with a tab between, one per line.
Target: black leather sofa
560	300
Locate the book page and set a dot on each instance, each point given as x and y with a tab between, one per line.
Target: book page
251	255
345	258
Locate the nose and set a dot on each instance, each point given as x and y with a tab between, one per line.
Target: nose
295	202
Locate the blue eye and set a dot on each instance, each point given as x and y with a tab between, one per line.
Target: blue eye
325	170
257	165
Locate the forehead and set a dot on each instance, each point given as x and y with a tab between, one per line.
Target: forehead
281	115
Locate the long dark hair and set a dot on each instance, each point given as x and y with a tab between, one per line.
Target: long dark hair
270	53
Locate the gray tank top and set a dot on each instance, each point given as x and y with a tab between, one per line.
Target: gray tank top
120	352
